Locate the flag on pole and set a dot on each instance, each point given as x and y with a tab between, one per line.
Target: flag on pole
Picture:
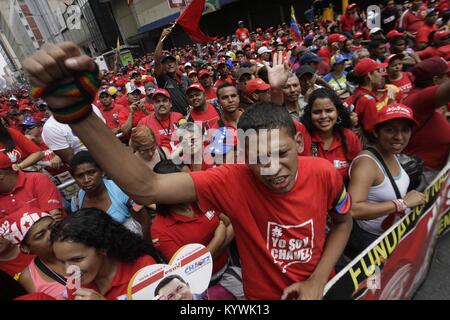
296	33
189	20
116	58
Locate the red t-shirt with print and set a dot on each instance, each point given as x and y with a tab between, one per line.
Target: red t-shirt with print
163	129
24	147
280	237
335	154
208	118
405	83
173	231
138	115
111	115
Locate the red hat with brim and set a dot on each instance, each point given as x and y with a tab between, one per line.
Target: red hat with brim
367	65
163	92
395	111
204	72
256	85
195	86
394	33
336	37
393	57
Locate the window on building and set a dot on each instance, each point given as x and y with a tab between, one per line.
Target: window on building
27	27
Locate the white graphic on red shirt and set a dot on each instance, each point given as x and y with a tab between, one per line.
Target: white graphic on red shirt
290	244
13	155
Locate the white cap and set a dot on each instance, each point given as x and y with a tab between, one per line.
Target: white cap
374	30
131	87
188	64
12	98
263	50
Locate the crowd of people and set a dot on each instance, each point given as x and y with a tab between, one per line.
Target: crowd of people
279	154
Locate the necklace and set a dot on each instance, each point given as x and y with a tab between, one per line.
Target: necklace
166	131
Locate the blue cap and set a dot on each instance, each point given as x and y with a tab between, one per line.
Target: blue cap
310	57
223	141
337	58
29	122
104	91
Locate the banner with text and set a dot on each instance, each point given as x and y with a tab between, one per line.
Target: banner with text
395	265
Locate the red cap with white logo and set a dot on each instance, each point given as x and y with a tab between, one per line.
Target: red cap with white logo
14	227
395	111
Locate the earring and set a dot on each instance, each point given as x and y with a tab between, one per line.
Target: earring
339	120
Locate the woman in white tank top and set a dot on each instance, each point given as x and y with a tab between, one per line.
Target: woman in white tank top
375	205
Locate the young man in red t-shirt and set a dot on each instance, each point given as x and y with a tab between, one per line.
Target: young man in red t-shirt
202	111
428	27
347	20
206	80
228	97
137	109
278	203
242	32
163	121
400	79
110	110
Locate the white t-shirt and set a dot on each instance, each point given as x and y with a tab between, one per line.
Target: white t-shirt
59	136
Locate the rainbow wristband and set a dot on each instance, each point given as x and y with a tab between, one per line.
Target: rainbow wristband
85	85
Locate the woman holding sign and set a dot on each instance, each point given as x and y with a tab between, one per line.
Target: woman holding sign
106	253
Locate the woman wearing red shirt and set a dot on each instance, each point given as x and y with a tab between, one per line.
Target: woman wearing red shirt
177	225
328	133
22	152
107	254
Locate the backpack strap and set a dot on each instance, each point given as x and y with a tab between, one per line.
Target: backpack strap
49	273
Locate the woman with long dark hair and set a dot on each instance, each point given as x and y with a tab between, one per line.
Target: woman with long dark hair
107	253
22	152
328	130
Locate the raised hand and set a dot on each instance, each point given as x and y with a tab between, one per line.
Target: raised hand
279	73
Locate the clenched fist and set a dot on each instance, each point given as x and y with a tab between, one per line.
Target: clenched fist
55	63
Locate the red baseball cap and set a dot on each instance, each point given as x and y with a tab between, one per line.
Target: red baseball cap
426	69
164	92
203	72
256	84
336	37
395	111
192	72
14	227
394	33
438	35
367	65
196	86
358	34
351	6
392	57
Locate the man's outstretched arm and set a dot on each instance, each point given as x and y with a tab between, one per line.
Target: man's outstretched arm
55	64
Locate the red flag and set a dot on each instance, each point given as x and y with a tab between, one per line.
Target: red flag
190	21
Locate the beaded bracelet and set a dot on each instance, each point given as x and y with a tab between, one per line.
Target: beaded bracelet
400	205
85	85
